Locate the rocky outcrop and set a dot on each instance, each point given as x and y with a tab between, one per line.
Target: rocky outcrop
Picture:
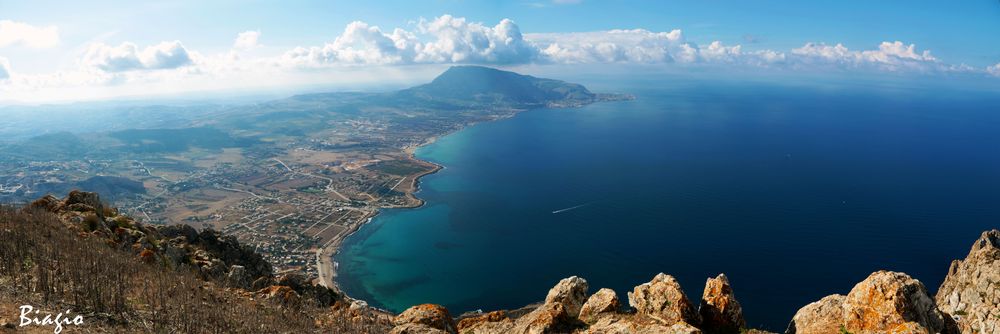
823	316
604	301
213	256
719	310
425	318
571	293
664	300
971	291
483	322
885	302
279	294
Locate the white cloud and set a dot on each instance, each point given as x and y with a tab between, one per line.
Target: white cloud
613	46
994	70
361	48
4	69
128	57
247	40
17	33
892	56
445	39
642	46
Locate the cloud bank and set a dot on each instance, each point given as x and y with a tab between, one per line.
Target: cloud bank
442	40
452	40
16	33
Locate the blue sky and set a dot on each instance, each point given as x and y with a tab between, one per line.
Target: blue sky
112	47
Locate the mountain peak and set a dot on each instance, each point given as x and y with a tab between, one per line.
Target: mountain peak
479	84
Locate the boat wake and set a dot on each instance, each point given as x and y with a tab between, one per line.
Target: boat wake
570	208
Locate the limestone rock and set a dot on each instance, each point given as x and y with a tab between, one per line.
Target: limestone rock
603	301
886	300
84	201
629	324
416	329
426	315
238	277
279	294
492	322
663	299
971	291
822	317
571	293
719	310
548	318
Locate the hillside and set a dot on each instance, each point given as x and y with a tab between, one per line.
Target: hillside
477	84
124	276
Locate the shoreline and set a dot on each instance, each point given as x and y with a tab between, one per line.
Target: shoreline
326	267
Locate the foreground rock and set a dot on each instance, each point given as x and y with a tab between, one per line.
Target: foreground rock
885	302
571	293
664	300
971	291
426	318
823	316
605	301
719	310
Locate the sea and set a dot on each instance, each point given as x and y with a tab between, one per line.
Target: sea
794	190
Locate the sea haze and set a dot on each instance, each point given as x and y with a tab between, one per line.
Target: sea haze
794	192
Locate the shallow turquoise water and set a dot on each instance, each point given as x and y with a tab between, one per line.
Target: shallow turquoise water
795	193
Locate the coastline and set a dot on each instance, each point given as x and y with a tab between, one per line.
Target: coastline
325	265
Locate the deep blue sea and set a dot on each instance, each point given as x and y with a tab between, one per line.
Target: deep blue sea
795	192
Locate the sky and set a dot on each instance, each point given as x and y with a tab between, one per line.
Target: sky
72	50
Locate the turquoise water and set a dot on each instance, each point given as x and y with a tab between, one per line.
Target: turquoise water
794	192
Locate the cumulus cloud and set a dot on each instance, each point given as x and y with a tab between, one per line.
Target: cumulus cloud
247	40
18	33
642	46
889	56
639	46
128	57
4	69
445	39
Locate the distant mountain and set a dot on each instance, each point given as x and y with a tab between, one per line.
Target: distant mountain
484	85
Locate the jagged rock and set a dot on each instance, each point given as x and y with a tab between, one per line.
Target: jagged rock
279	294
175	252
571	293
492	322
416	329
426	315
821	317
885	302
603	301
84	200
971	291
888	299
548	318
238	277
719	310
664	300
623	324
48	203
